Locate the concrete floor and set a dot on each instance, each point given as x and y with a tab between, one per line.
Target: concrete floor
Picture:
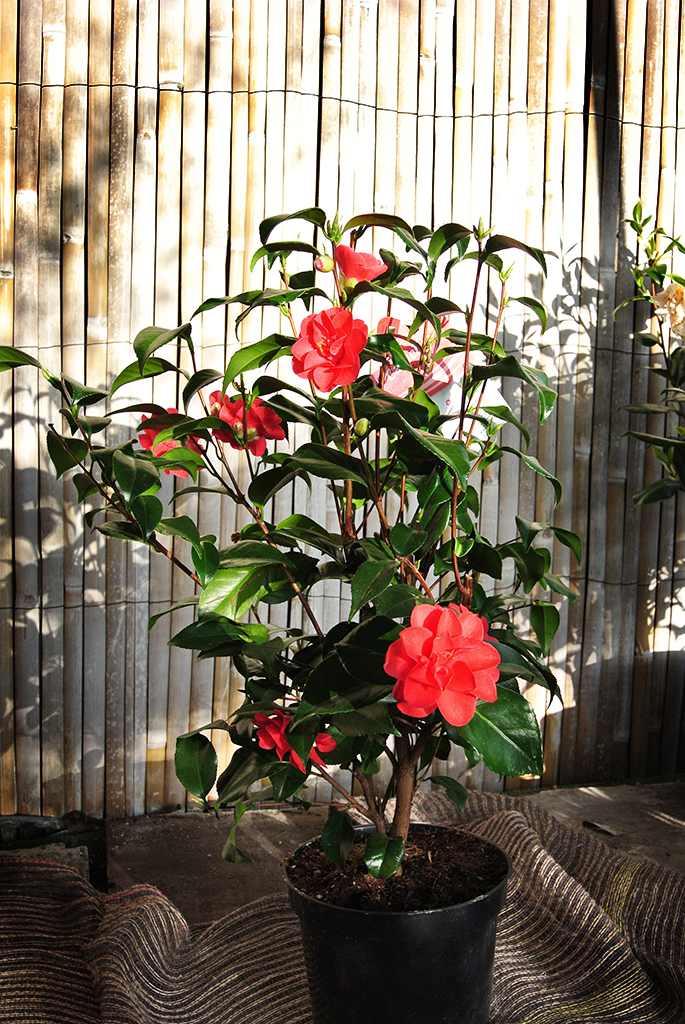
180	854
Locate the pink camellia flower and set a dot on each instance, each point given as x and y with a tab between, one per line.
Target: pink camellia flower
670	305
357	266
327	350
147	441
249	429
271	730
442	660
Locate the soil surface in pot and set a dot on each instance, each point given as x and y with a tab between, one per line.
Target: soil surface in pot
439	869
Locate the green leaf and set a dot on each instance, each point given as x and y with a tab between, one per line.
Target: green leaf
11	357
405	541
182	526
312	214
231	852
285	780
84	486
148	511
535	305
206	561
198	381
133	476
121	530
570	540
383	855
454	790
268	483
328	463
403	295
258	354
503	412
153	367
274	249
337	838
496	243
196	763
531	564
660	490
371	579
377	220
544	620
65	452
252	553
150	339
506	734
398	601
509	366
222	594
373	720
245	768
452	452
533	464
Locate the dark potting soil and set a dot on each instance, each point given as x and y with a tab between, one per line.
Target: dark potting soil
439	869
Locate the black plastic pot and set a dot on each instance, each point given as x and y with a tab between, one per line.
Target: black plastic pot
412	967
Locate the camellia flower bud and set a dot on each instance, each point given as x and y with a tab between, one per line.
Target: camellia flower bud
325	264
361	427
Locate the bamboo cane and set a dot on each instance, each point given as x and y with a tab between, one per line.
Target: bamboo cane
8	115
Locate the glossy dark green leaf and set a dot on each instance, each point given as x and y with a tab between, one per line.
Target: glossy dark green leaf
544	621
506	734
383	855
182	526
245	768
369	581
84	486
496	243
397	602
150	339
312	214
405	540
65	452
536	306
153	367
195	762
252	356
148	511
275	249
133	476
452	452
538	468
337	838
198	381
659	490
121	530
373	720
11	357
231	851
509	366
454	790
377	220
328	463
269	482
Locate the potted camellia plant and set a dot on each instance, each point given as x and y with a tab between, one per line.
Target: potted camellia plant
665	292
401	422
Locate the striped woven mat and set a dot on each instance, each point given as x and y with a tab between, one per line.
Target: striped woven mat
586	935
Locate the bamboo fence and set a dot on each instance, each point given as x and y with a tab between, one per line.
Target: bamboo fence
142	143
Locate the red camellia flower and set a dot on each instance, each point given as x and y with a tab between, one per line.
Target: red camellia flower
442	661
147	441
357	266
249	429
327	350
271	730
